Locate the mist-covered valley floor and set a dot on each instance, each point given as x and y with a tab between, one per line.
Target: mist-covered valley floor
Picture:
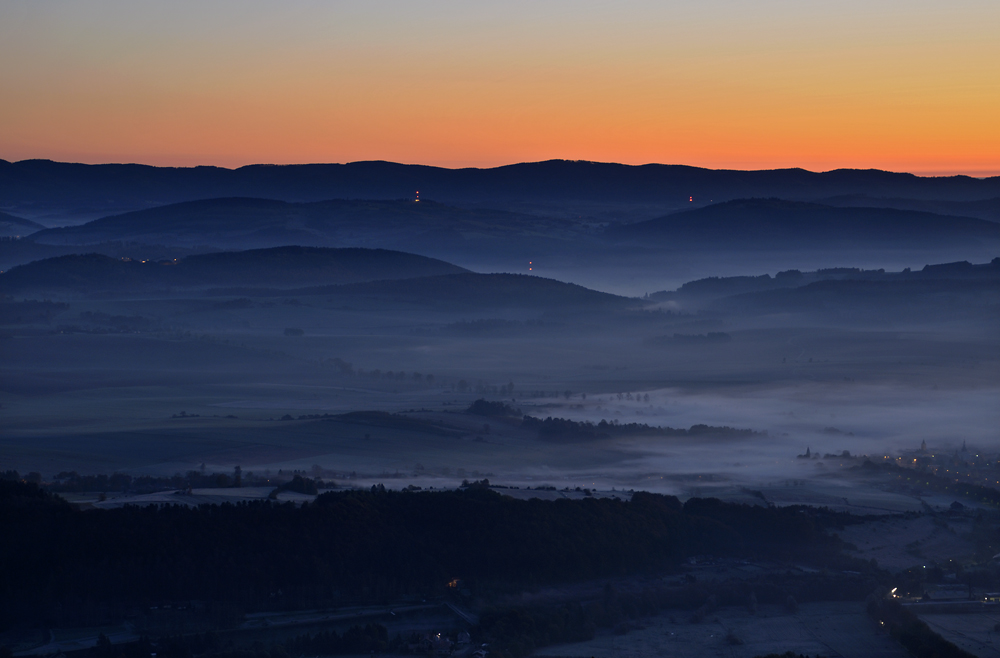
158	381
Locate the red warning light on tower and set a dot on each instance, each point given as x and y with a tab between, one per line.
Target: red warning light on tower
690	198
529	265
418	195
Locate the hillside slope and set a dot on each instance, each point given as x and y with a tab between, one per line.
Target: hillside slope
277	267
777	223
12	226
247	222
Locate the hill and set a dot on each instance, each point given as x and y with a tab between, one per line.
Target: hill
867	302
718	287
249	222
11	226
981	208
70	188
367	276
936	293
467	291
276	267
777	223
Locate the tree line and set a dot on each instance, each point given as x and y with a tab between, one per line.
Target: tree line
564	429
71	481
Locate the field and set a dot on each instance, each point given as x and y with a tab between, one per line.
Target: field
902	543
975	632
825	629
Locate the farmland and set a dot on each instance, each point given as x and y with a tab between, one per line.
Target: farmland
826	629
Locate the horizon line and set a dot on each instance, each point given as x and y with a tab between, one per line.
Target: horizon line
929	173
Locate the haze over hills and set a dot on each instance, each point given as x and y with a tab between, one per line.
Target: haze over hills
982	209
273	268
719	239
251	222
880	302
278	331
970	293
777	223
12	226
66	193
375	276
470	291
719	287
372	408
427	226
548	216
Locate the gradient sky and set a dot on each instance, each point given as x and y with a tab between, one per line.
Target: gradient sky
907	85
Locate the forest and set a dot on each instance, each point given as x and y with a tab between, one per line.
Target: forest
92	566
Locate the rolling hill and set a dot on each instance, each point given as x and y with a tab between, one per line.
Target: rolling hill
373	278
273	268
471	290
936	293
981	208
247	223
781	224
712	288
870	302
11	226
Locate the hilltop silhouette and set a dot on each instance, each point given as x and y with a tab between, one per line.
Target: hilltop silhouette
573	186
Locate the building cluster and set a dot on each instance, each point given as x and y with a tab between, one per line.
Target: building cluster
966	464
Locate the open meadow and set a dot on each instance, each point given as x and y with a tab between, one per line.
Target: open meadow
836	630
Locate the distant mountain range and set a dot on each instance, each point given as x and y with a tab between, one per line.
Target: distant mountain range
609	226
280	267
37	188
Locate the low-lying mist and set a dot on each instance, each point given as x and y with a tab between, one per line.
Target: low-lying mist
825	418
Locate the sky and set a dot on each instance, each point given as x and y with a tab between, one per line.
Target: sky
904	85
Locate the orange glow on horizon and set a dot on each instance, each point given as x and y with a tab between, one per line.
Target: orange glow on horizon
737	85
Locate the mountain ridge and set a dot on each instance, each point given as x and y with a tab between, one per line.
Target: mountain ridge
68	187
